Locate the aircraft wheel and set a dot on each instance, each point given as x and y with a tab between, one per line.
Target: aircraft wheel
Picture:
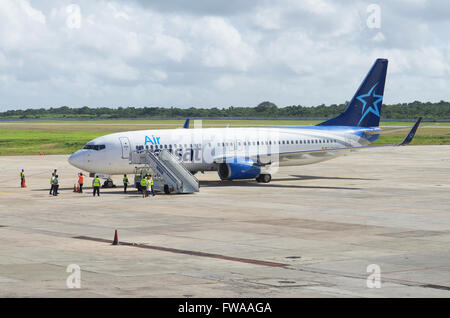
166	189
258	178
265	178
108	184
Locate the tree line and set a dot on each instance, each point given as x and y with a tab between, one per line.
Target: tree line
428	110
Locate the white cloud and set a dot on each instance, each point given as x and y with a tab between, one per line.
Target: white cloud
221	44
379	37
31	12
215	53
267	18
224	82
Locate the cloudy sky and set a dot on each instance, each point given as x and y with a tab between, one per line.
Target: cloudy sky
210	53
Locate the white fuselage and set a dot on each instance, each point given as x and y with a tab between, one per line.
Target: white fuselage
202	149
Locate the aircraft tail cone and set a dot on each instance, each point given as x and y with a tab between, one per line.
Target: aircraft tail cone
116	239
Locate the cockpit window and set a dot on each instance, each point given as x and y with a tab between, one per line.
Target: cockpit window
94	147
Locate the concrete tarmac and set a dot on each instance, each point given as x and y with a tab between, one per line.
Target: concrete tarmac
314	231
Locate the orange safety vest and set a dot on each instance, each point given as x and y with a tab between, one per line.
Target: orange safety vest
80	180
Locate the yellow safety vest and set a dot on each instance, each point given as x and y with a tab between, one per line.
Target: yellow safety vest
96	182
125	180
151	181
144	182
52	179
22	174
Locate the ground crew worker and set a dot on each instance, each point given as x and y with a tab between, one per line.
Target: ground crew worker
22	179
125	183
80	181
150	182
55	185
143	175
96	185
144	182
52	186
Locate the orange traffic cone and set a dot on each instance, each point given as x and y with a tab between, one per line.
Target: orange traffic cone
24	185
78	188
116	239
74	187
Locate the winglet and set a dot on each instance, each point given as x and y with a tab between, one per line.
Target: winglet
409	137
186	123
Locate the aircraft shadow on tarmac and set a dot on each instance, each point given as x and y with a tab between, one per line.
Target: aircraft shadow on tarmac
88	190
300	177
253	183
246	183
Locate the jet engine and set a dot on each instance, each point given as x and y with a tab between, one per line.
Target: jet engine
238	169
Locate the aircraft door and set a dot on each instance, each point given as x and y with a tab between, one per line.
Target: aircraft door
125	142
348	141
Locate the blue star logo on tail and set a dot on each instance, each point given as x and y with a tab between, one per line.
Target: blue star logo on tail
367	108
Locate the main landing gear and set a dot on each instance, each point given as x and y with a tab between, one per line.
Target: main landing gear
264	178
108	184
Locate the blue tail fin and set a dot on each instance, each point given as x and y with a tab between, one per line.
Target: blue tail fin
365	107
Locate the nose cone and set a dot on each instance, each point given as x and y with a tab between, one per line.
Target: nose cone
76	159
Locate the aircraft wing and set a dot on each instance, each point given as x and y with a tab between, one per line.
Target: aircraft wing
324	152
411	134
186	124
390	130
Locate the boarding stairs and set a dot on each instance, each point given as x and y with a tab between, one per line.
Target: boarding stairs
169	175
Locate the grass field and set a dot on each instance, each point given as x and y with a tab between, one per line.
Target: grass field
65	137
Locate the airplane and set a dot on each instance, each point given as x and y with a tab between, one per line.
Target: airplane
250	152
